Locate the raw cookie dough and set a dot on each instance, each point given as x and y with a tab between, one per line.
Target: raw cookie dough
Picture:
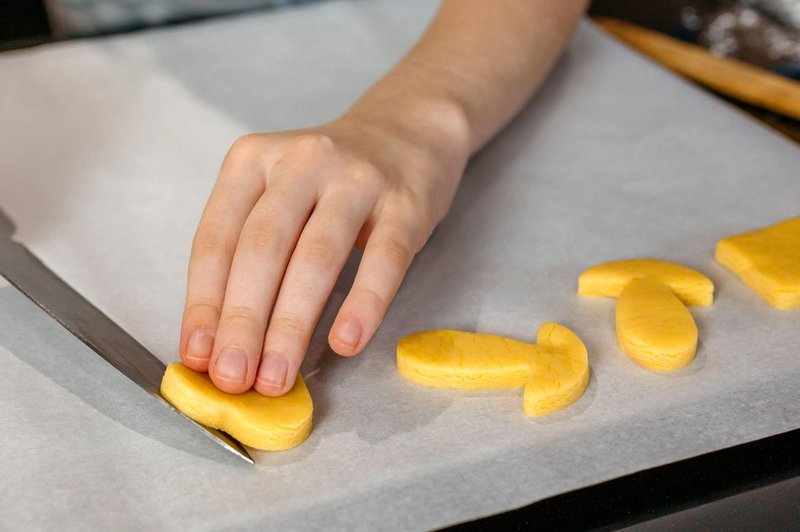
560	371
267	423
610	278
768	261
653	327
554	372
464	360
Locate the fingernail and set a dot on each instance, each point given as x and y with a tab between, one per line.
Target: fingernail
231	365
349	333
273	370
199	345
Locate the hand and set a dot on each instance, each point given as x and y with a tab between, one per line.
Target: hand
280	224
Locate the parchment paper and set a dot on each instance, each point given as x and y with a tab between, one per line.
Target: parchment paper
109	150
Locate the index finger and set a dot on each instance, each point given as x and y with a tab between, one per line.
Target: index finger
240	183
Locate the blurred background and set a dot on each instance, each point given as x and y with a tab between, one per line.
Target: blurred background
763	33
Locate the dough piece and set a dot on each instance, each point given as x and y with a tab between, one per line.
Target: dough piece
463	360
610	278
267	423
559	371
554	372
768	261
654	327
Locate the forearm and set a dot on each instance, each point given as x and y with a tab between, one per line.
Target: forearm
474	68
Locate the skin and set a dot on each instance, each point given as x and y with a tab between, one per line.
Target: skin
288	207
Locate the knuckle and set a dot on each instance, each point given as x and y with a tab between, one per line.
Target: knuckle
242	313
312	143
211	241
364	175
262	238
396	248
245	146
411	205
321	250
289	325
198	306
379	304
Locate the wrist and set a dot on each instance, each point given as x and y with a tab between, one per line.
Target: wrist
431	124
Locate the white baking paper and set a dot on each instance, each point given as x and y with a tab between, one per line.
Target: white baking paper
109	148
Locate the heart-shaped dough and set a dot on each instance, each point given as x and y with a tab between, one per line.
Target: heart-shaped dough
266	423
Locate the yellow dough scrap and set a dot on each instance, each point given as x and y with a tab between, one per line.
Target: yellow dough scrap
610	278
768	261
267	423
463	360
654	327
554	371
559	371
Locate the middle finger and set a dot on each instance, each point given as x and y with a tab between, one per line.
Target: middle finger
267	239
315	265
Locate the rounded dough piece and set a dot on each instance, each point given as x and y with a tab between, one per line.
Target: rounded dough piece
463	360
266	423
559	371
610	278
654	327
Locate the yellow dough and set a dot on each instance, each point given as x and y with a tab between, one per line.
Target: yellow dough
610	278
768	261
554	371
654	327
559	371
267	423
463	360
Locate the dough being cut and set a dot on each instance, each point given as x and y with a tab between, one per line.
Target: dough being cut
463	360
768	261
559	371
610	278
653	327
554	371
267	423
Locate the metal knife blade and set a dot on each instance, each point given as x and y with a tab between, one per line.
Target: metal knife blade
76	314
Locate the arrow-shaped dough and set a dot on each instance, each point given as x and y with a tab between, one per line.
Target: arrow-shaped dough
560	371
554	371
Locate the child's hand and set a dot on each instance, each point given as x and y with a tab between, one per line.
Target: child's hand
288	207
281	221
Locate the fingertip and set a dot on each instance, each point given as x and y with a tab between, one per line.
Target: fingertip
195	364
274	376
346	336
229	371
270	390
342	349
197	351
226	385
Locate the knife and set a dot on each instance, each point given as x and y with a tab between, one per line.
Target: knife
76	314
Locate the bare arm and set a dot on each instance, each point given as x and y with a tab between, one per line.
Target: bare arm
288	207
481	59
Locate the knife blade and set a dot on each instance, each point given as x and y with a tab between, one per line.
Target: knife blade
75	313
